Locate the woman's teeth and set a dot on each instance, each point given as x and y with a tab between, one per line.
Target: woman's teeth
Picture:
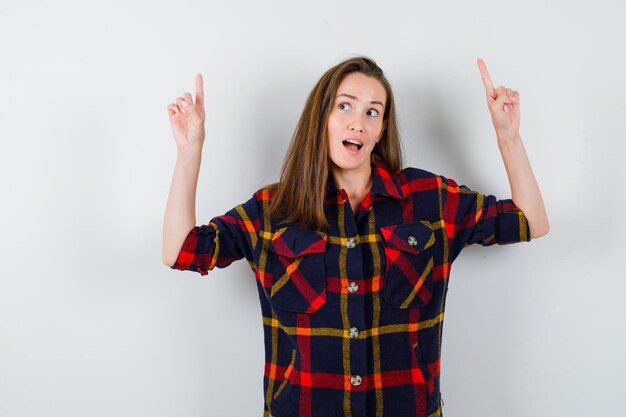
352	144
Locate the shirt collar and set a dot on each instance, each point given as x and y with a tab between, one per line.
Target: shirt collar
384	182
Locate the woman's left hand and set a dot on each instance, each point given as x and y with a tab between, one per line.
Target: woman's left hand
503	104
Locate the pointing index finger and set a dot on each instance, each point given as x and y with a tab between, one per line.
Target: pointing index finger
199	90
486	79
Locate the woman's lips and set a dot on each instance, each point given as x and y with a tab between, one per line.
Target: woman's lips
352	145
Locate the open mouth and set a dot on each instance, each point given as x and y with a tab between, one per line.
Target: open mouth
352	144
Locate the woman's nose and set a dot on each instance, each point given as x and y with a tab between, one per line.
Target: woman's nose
356	124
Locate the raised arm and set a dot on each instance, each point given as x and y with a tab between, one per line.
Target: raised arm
187	121
504	106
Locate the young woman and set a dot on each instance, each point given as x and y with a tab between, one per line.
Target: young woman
351	252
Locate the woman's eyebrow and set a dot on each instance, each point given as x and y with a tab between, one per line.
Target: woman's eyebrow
354	98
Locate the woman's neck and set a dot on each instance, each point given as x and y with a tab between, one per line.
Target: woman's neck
356	183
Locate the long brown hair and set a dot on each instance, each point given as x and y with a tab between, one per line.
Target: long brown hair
300	193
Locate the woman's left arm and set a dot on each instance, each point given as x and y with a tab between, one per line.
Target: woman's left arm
504	106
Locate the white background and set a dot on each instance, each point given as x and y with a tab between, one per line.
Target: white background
92	323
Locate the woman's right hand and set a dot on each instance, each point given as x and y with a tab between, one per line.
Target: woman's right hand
187	119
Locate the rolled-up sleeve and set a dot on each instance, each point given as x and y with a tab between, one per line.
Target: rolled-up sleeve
471	217
220	242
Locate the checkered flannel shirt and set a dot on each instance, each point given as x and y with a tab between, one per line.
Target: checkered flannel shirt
353	315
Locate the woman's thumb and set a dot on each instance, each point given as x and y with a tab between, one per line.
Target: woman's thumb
187	106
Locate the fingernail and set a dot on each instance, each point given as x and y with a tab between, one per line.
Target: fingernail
185	103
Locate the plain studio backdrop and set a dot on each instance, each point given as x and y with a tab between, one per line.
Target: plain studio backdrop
92	323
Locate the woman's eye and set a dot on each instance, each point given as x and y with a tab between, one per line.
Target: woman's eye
373	112
344	106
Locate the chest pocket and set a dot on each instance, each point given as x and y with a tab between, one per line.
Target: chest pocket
408	280
298	276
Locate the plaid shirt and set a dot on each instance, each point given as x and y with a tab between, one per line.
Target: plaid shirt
353	316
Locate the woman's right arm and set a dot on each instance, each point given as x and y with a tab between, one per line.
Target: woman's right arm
187	121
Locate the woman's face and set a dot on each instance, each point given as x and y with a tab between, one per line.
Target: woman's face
355	123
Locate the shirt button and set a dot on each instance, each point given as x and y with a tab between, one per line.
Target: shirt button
350	243
412	241
355	380
353	287
353	332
